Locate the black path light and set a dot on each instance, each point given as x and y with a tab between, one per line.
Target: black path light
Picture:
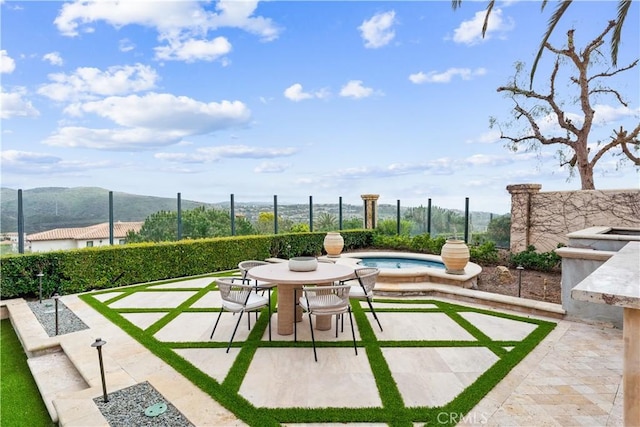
56	297
40	285
519	268
98	344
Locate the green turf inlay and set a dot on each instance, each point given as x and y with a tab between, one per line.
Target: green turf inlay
393	411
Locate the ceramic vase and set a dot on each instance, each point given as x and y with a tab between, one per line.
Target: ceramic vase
455	256
333	244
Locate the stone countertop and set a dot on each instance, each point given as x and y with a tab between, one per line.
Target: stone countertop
616	282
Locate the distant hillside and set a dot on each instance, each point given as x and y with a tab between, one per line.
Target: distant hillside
58	207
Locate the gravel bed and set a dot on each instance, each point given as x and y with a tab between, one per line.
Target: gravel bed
126	408
45	312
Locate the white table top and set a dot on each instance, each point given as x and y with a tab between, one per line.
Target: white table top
280	273
616	282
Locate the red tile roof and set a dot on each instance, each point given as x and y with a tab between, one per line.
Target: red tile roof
93	232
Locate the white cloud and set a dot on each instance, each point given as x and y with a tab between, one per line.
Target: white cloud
470	32
549	123
489	137
489	160
15	105
164	16
152	120
87	83
296	93
53	58
7	64
239	14
446	76
355	89
271	167
193	50
15	157
377	31
163	111
606	114
184	25
31	163
126	45
111	139
214	154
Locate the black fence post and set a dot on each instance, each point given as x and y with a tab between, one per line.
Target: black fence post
20	223
466	220
340	213
398	217
275	214
311	214
429	217
232	214
111	218
179	217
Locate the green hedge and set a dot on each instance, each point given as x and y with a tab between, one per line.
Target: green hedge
80	270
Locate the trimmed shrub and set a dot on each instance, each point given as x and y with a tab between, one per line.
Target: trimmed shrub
80	270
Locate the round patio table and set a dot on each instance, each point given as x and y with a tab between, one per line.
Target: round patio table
288	282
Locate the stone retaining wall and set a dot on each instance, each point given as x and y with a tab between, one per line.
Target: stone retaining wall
543	219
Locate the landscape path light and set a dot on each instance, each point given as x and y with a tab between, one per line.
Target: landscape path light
98	343
55	300
519	268
40	285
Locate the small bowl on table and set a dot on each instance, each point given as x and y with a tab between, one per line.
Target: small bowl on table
303	263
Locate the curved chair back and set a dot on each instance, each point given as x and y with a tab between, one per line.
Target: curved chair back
367	277
244	266
234	292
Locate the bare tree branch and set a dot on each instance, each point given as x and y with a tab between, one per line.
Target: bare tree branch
577	133
611	92
613	73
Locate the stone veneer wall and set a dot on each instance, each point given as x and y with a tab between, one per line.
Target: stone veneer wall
370	210
543	219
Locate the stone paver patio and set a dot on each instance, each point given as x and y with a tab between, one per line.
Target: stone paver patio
573	377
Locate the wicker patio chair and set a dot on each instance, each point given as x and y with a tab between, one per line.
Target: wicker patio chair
326	301
240	298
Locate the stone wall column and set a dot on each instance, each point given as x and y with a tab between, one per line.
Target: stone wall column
370	210
631	366
521	202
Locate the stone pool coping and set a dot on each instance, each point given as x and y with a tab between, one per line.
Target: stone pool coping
415	274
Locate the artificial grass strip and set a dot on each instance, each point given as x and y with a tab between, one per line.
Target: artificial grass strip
18	386
393	411
388	390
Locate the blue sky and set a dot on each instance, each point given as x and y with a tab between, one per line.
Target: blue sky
289	98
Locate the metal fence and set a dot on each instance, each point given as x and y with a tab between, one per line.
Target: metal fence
420	218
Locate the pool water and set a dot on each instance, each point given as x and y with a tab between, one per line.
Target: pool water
384	262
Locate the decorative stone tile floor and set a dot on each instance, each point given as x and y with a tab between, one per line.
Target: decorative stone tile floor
573	377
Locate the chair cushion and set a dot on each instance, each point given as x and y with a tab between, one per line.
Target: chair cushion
255	301
327	304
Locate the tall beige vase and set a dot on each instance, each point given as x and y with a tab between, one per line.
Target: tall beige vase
455	256
333	244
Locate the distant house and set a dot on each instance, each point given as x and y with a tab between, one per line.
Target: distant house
10	240
81	237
